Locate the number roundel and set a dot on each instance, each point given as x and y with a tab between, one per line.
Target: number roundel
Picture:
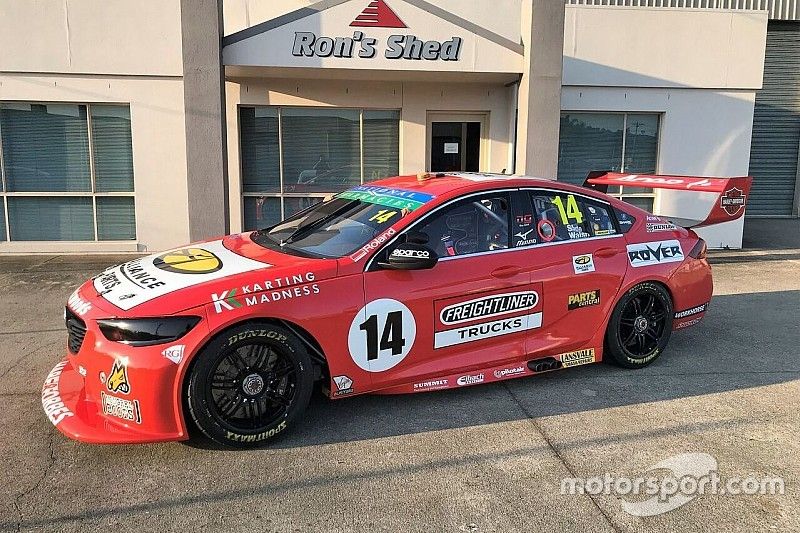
381	335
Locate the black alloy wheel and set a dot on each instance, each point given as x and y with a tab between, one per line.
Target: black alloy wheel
249	384
252	385
640	326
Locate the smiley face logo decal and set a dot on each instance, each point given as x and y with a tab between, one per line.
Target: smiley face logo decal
188	261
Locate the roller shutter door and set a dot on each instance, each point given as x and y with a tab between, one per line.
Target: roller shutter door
776	125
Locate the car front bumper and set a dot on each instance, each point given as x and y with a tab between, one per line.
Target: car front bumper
78	416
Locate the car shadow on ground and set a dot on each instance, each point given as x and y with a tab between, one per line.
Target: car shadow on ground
741	344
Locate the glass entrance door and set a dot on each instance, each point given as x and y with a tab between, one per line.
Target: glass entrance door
454	142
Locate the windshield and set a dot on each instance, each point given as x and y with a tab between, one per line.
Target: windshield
342	225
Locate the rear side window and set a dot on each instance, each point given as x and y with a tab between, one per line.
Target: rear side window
625	221
600	217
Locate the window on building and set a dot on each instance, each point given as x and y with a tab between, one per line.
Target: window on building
620	142
67	172
293	157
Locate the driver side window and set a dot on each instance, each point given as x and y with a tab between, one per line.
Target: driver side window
472	225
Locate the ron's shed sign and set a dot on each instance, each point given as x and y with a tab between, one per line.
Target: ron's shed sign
376	15
306	44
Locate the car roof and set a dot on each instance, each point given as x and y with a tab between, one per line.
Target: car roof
442	183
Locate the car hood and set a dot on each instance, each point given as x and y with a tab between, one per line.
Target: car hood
197	274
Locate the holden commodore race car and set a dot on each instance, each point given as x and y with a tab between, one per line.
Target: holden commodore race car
404	285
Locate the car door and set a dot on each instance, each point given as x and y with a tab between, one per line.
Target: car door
474	308
575	251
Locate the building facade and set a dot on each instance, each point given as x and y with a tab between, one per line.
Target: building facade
140	127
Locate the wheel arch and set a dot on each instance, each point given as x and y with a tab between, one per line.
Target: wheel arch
315	351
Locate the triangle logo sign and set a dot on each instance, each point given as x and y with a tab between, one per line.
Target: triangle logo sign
378	15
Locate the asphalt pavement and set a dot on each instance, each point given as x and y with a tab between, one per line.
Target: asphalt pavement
484	458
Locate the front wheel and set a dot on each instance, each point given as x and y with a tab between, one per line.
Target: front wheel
640	326
250	384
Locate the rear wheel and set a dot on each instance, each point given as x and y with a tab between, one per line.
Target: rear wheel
640	326
250	384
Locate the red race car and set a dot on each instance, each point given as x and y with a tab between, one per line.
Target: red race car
409	284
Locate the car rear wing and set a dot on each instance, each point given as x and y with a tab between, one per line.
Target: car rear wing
728	204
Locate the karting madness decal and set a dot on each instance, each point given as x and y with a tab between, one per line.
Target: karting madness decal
468	318
655	253
147	278
266	291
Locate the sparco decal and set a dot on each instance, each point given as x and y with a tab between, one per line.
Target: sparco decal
470	380
488	306
431	384
578	357
121	408
416	254
148	278
486	330
654	253
265	292
692	311
51	399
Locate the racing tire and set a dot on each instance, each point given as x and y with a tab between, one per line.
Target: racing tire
640	326
250	384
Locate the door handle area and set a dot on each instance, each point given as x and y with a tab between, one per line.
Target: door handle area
506	271
606	252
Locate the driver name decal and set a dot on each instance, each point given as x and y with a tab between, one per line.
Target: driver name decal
491	315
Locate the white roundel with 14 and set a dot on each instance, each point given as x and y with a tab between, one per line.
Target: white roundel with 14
381	335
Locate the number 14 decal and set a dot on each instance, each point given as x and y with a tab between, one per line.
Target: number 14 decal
381	335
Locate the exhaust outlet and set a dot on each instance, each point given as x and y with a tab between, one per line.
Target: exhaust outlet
545	364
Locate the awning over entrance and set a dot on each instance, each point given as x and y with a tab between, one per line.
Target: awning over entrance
373	35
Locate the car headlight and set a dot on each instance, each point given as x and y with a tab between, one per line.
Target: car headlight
147	331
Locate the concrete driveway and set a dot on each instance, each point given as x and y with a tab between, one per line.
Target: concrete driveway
486	458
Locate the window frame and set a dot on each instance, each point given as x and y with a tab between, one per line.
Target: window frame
372	263
93	193
281	194
621	195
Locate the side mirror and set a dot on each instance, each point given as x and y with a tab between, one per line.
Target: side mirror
410	256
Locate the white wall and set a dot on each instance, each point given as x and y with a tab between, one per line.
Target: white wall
109	51
699	69
91	37
702	133
643	47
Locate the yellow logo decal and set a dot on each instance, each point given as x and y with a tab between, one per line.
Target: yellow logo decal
118	378
578	357
188	261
